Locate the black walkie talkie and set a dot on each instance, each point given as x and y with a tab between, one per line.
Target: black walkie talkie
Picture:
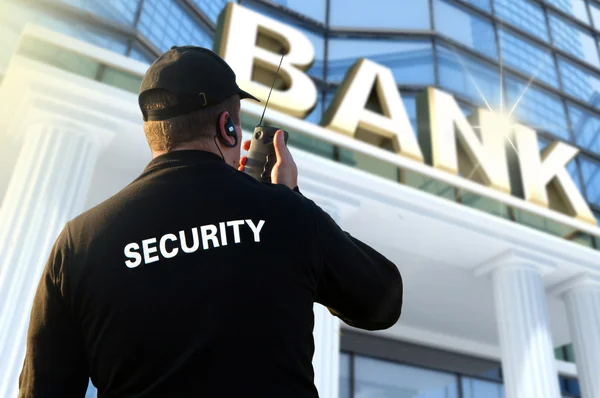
261	156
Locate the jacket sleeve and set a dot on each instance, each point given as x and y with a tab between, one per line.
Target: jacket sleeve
55	364
355	282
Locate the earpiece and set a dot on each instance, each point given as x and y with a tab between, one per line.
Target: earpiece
230	131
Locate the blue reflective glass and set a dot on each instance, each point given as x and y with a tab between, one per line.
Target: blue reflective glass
344	386
466	28
580	82
483	4
527	57
586	128
411	61
314	9
536	108
468	77
120	11
377	14
523	14
590	170
315	115
474	388
569	386
595	11
575	8
167	23
317	39
410	104
376	378
573	40
141	55
211	8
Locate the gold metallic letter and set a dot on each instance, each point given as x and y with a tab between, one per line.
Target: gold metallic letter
347	114
252	43
539	177
442	124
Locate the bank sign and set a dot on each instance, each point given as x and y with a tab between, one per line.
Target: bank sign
252	43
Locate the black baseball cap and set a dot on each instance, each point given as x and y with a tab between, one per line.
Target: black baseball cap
196	75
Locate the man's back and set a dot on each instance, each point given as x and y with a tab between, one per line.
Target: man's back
229	311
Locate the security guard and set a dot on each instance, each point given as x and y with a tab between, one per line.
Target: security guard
196	280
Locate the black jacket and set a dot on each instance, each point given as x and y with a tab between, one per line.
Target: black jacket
198	281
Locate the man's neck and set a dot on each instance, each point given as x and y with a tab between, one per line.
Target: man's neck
194	145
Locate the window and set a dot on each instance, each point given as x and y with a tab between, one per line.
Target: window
536	108
573	40
344	388
586	128
590	169
575	8
579	82
379	378
569	386
211	8
523	14
317	39
466	28
595	11
411	61
527	57
166	24
410	104
141	55
314	9
119	11
470	78
475	388
399	14
483	4
122	80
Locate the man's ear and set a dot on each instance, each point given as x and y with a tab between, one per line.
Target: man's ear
223	130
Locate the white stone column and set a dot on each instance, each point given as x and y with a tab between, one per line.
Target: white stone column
528	362
326	360
48	188
582	299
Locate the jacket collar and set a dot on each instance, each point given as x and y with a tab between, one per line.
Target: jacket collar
183	158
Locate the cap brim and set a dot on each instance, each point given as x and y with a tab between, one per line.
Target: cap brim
244	95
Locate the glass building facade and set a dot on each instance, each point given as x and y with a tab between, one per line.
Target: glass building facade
537	59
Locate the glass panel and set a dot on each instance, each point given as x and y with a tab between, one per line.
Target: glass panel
569	386
122	80
586	127
344	387
141	55
536	108
120	11
410	104
542	224
468	77
590	169
397	14
315	115
575	8
473	388
595	10
411	61
368	163
580	82
166	24
527	57
376	378
573	40
59	57
523	14
317	39
314	9
487	205
483	4
211	8
468	29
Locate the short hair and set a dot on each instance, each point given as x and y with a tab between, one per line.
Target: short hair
164	135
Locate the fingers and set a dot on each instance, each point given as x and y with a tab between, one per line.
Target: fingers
243	161
246	145
281	150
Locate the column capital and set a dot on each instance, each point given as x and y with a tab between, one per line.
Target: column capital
515	258
583	281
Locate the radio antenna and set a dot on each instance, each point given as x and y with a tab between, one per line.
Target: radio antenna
271	90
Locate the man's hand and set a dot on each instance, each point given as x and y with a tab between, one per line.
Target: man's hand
285	170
